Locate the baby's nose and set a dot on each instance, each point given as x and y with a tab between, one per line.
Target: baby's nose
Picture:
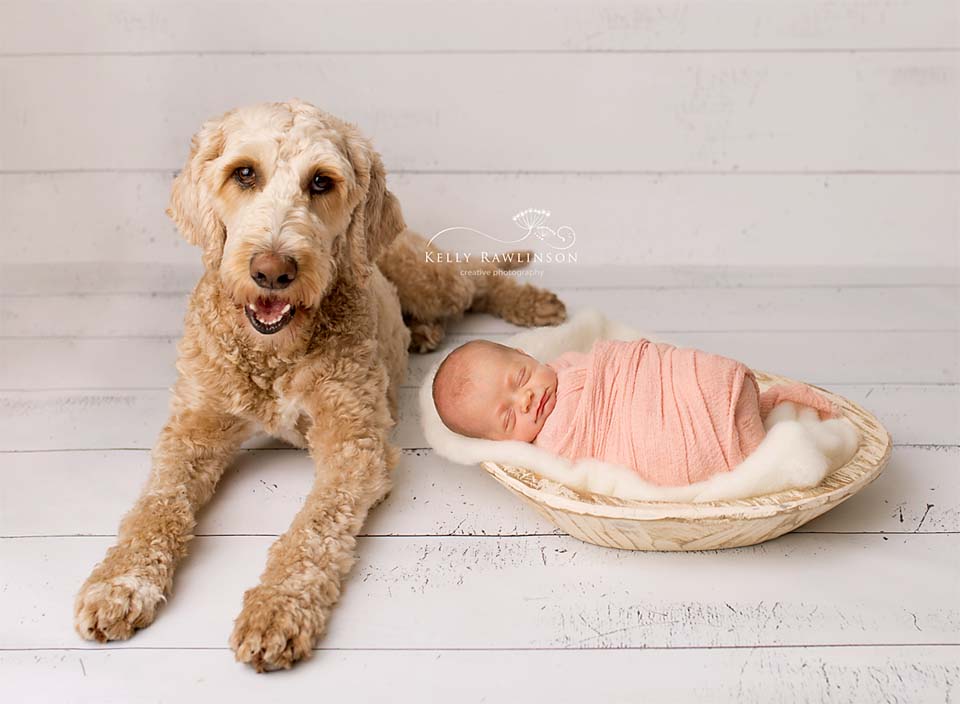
527	400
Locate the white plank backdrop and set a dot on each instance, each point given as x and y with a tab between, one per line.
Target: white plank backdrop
776	182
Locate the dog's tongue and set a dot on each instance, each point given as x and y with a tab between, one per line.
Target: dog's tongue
269	309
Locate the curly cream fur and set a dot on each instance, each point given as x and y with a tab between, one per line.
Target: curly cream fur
327	382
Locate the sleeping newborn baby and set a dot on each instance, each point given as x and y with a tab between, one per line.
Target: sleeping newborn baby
674	415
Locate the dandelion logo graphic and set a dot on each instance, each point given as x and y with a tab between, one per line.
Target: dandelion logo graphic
533	222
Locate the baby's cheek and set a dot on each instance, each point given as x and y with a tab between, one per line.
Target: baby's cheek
531	432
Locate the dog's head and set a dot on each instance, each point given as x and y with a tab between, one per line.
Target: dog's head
283	198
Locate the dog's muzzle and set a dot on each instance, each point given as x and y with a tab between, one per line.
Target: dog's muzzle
271	272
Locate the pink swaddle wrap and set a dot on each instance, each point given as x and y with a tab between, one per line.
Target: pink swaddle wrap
675	415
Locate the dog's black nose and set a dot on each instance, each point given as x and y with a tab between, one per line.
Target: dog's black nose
273	271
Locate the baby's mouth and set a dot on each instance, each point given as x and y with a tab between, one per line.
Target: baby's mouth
543	403
269	315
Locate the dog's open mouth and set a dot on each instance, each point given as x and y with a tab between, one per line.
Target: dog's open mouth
269	315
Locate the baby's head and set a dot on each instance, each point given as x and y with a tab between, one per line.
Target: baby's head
487	390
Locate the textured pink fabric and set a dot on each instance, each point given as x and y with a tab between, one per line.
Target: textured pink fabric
675	415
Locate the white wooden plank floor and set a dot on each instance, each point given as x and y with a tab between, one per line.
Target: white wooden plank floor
459	580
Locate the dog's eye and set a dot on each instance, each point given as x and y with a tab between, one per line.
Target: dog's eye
320	184
245	176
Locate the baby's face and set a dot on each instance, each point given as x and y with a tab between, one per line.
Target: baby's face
512	394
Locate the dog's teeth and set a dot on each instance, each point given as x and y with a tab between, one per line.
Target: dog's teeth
285	309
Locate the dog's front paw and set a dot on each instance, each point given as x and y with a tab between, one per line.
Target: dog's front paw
534	306
275	629
112	609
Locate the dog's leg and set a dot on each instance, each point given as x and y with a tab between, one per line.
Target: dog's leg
124	590
287	612
433	292
520	304
428	287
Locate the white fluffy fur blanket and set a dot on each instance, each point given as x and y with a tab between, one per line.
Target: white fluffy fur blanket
798	451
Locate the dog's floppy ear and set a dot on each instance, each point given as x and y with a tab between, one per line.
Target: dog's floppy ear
190	206
382	218
382	213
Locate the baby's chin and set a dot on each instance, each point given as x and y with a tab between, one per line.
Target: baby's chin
537	430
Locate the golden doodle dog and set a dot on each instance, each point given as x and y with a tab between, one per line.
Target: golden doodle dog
312	293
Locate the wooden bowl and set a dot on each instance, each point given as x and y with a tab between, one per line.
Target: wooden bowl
661	525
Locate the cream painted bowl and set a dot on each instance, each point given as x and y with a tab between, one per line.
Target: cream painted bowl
659	525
